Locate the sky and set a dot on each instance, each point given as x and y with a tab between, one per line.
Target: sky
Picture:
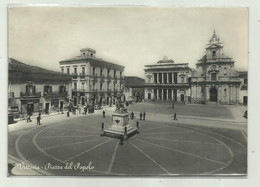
129	36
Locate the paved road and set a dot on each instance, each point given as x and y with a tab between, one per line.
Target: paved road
163	147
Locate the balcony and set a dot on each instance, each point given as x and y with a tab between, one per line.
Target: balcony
78	90
55	94
83	75
74	75
25	94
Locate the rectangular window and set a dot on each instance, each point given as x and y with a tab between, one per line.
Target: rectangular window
94	71
213	76
75	85
82	85
62	70
101	85
114	73
83	70
155	77
75	70
68	70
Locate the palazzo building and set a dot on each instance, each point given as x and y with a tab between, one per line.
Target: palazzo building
94	81
167	80
215	79
32	89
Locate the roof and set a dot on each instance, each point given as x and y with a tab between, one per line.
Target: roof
242	74
131	81
19	72
97	62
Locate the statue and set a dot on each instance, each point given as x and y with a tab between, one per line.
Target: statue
120	108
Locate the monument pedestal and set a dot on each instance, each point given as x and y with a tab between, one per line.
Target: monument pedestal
120	127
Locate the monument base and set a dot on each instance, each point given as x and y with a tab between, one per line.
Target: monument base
119	131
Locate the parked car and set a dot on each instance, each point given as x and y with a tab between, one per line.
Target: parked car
245	114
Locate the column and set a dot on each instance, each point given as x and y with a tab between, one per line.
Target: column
157	77
167	93
163	78
157	94
172	77
172	95
167	75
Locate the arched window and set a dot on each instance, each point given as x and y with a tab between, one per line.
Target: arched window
213	54
225	92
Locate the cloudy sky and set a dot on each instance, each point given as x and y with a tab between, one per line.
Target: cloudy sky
132	37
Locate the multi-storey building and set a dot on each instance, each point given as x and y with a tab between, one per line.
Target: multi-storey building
133	88
32	89
167	81
94	81
216	79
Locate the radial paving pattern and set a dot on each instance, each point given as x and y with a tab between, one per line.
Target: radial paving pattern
159	149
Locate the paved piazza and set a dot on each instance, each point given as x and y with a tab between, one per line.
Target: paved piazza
161	148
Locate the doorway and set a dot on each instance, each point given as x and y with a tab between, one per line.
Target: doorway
213	95
30	108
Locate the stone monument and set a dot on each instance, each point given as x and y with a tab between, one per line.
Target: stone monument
120	127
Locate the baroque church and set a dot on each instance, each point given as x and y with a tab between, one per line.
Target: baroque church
215	79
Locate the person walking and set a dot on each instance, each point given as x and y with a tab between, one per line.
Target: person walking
68	114
104	114
175	116
132	115
141	115
144	115
38	120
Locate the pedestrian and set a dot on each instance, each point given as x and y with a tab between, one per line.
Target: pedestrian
104	114
175	116
38	120
68	114
79	110
28	118
144	115
141	115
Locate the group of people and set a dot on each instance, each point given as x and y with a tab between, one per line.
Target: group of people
38	118
142	115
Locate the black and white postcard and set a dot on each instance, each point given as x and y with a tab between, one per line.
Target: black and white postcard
127	91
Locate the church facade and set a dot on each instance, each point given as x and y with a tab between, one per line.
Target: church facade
215	79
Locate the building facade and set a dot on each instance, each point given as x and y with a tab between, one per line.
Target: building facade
167	81
32	89
215	79
94	81
243	75
133	89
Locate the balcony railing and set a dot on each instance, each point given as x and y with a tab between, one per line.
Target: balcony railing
55	94
25	94
78	90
